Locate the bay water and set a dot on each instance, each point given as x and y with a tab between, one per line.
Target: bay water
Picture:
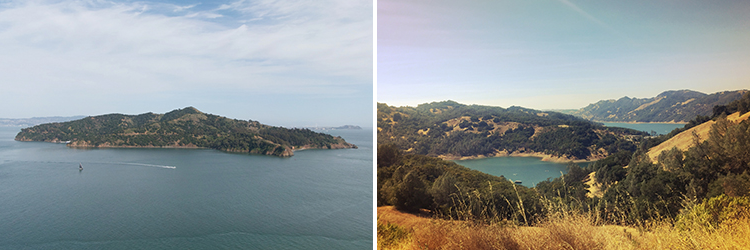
184	198
532	170
528	170
659	128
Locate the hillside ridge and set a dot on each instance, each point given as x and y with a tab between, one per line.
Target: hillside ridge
675	106
687	139
451	130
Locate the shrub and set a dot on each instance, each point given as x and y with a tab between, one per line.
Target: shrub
713	212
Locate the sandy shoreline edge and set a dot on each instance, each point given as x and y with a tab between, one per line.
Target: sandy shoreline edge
543	156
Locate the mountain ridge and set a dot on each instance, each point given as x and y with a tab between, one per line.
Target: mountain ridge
676	106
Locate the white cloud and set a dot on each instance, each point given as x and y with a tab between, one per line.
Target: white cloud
183	8
77	47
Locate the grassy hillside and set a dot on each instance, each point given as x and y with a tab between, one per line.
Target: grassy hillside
186	127
452	130
398	230
669	106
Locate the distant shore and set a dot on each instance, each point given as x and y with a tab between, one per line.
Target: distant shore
672	122
127	146
543	156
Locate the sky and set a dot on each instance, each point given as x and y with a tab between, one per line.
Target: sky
285	63
558	54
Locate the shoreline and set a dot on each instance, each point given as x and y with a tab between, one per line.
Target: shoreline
542	156
288	151
672	122
181	147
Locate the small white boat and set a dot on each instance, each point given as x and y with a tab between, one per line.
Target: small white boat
80	167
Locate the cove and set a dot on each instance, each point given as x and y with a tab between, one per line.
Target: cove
528	170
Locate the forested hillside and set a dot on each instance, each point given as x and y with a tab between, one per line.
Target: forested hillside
708	168
449	129
669	106
413	182
186	127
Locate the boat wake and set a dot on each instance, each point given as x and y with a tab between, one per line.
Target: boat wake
84	163
145	165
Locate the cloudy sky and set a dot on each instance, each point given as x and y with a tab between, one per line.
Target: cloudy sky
558	54
289	63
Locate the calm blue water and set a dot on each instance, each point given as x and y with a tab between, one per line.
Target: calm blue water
660	128
529	170
184	198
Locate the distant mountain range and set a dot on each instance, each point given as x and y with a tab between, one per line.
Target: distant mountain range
181	128
339	127
670	106
28	122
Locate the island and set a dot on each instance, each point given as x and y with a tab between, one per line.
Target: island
181	128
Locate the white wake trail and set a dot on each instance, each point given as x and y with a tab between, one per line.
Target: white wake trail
146	165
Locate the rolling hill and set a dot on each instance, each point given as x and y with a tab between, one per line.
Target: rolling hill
451	130
687	139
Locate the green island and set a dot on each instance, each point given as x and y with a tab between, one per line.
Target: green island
451	130
181	128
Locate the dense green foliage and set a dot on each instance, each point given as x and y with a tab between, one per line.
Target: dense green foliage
414	182
450	128
711	213
678	106
186	127
741	105
568	189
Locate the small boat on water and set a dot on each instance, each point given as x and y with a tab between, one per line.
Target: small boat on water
517	182
80	167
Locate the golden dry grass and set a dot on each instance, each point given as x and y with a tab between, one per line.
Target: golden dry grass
684	140
594	188
566	231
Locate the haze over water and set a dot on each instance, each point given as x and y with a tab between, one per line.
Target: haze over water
659	128
184	198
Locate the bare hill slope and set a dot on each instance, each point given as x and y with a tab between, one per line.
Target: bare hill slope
685	140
